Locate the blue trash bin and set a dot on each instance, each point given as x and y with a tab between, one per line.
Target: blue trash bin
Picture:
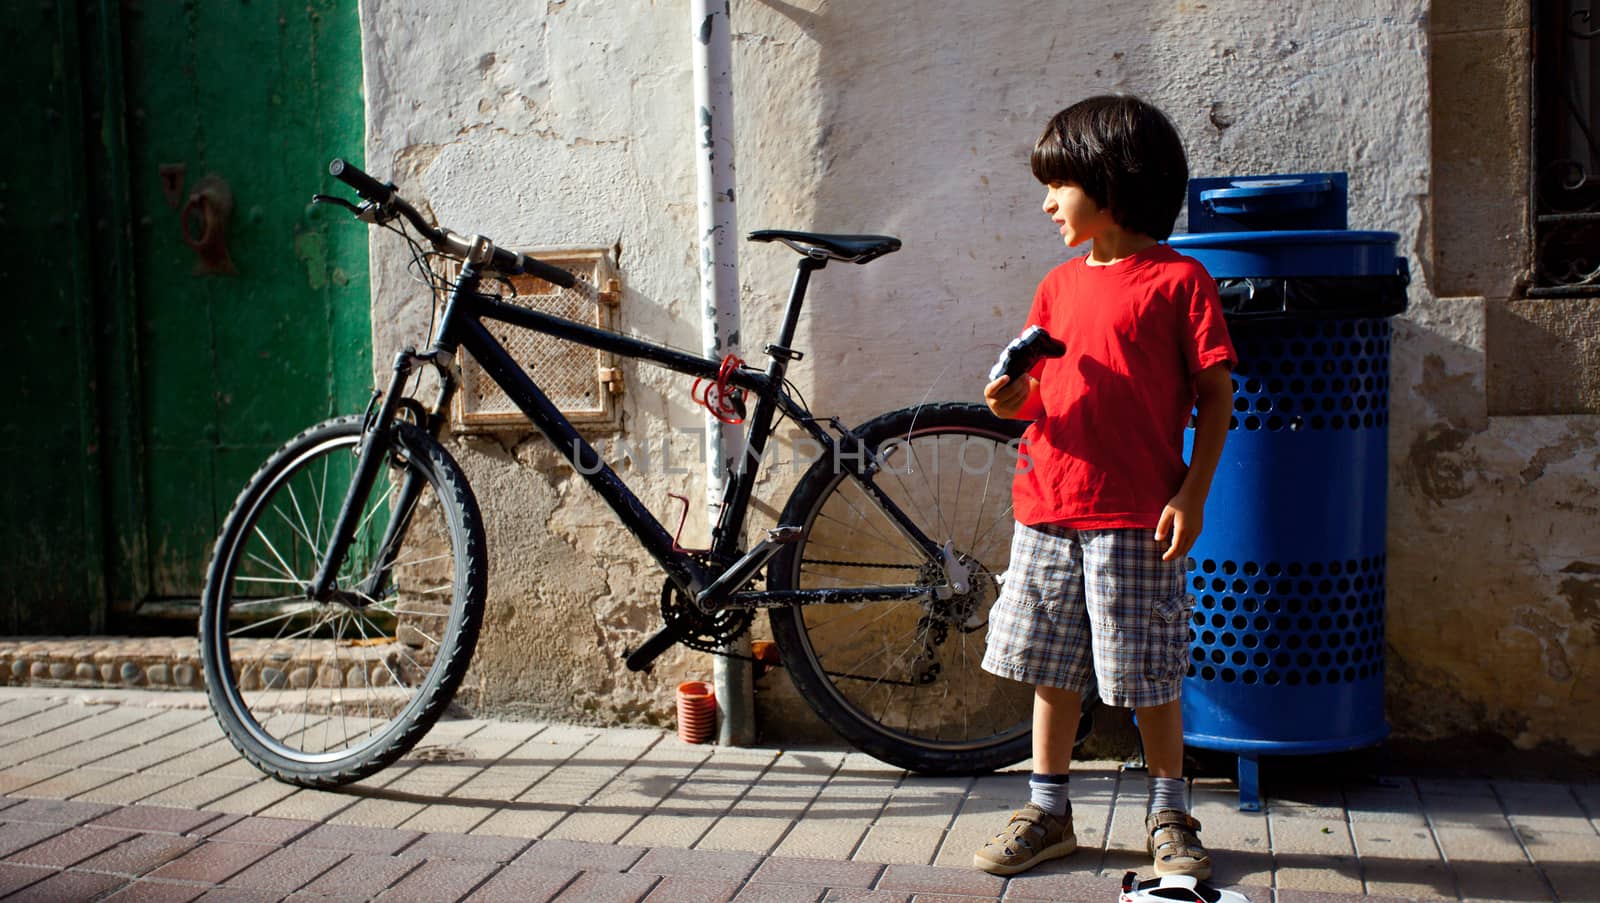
1287	637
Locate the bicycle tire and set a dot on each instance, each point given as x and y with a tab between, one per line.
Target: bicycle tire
368	674
886	675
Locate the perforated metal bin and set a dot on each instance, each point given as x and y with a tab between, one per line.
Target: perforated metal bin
1287	634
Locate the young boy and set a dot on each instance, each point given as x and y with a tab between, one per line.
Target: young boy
1107	510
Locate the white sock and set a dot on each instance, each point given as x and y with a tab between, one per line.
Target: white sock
1167	793
1049	792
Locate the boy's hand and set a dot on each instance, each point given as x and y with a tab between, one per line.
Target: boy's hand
1006	397
1181	520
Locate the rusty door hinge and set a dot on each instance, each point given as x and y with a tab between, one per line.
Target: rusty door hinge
611	295
611	378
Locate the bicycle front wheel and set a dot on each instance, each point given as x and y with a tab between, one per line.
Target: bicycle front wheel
324	693
901	679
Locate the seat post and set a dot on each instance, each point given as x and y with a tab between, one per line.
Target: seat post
797	296
731	520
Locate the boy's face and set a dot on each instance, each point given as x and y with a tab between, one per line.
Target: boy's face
1078	216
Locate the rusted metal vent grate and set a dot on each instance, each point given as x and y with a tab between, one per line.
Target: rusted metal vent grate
583	382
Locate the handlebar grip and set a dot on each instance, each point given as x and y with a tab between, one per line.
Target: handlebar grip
366	186
548	272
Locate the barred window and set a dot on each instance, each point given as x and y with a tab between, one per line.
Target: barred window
1566	155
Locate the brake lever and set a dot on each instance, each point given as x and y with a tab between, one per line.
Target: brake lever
334	199
370	212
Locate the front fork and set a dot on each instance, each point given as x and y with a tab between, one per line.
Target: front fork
376	443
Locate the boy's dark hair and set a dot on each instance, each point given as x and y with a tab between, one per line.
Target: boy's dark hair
1124	154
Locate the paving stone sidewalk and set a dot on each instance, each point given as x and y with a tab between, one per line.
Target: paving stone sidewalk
135	795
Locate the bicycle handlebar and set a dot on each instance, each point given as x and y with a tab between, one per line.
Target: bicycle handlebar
546	271
366	186
384	196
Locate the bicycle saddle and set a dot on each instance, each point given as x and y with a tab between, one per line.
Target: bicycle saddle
848	248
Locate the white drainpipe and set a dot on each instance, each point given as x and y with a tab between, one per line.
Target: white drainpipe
719	304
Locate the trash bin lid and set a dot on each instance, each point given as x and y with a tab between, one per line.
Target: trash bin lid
1321	252
1270	195
1270	203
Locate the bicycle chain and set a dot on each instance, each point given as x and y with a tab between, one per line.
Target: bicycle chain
863	564
672	610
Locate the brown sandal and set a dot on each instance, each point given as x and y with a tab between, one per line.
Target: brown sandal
1031	836
1175	844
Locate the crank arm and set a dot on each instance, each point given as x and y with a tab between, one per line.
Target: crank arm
654	645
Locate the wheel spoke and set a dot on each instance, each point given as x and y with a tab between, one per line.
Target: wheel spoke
862	517
419	561
920	468
275	600
297	529
299	513
322	502
283	566
366	679
344	720
361	625
257	625
888	611
377	506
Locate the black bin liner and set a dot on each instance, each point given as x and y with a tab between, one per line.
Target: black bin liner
1319	297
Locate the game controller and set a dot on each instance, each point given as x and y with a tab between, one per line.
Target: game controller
1028	349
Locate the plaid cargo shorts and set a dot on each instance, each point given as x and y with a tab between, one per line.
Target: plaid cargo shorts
1100	603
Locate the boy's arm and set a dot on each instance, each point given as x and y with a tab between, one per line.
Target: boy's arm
1184	516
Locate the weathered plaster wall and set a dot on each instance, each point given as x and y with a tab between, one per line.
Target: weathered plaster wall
570	125
1492	540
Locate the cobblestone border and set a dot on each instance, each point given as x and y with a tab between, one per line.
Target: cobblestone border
159	663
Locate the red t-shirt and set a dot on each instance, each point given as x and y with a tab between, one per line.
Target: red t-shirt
1105	449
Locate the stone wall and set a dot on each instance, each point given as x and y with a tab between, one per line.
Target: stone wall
570	125
1495	617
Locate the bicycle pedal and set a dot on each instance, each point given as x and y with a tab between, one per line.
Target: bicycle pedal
785	535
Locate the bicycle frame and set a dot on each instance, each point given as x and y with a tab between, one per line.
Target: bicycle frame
462	327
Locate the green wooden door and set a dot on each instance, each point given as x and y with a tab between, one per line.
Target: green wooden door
50	524
229	314
243	102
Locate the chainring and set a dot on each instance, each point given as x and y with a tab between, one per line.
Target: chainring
702	630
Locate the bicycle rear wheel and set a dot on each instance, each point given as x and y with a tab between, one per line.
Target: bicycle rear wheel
901	679
321	694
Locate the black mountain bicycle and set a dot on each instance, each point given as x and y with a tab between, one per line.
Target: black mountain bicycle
346	588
